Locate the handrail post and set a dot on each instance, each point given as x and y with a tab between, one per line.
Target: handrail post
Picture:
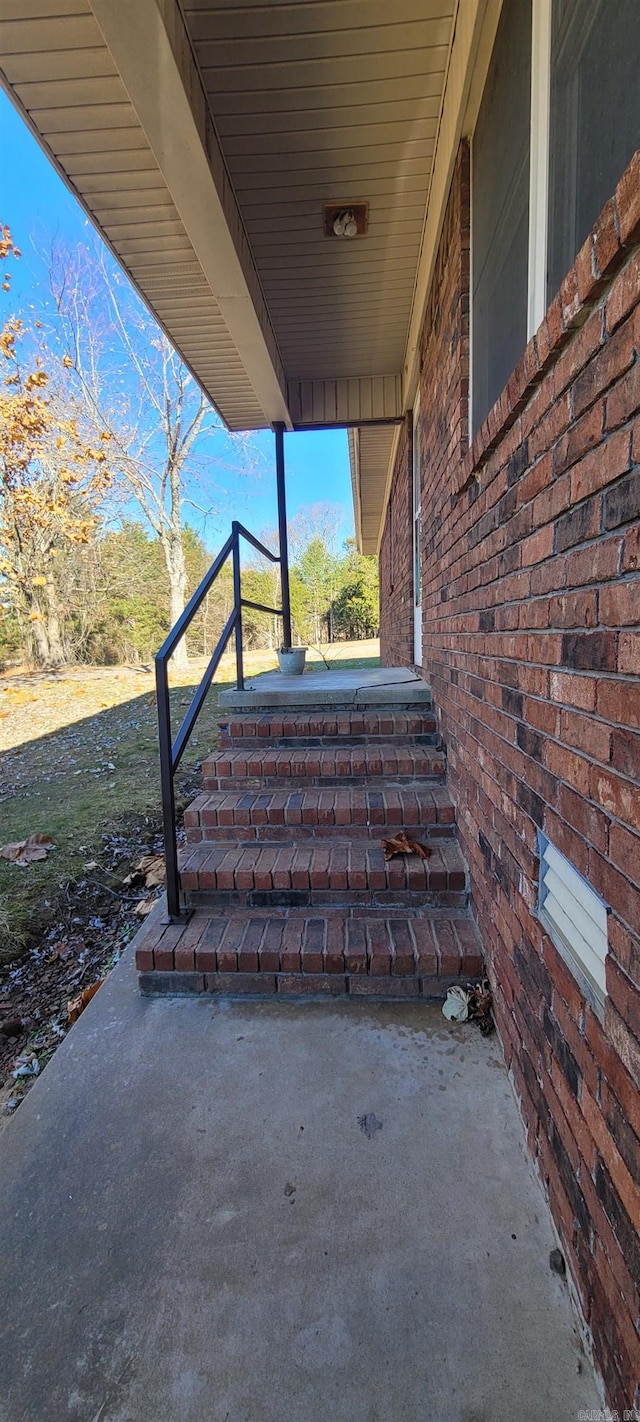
282	535
237	602
167	790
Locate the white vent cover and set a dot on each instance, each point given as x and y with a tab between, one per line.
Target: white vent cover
575	917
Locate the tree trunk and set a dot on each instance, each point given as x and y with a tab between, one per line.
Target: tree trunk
174	556
44	629
38	635
57	657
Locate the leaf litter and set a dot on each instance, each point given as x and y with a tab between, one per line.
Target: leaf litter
91	918
82	742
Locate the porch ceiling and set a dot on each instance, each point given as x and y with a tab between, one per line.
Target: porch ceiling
204	139
333	101
299	105
114	116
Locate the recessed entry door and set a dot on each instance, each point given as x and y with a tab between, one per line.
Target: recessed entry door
417	540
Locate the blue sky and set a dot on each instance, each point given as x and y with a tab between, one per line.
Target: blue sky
40	211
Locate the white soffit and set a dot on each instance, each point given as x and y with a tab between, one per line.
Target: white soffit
150	189
370	451
318	102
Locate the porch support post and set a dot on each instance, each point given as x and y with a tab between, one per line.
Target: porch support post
237	604
282	535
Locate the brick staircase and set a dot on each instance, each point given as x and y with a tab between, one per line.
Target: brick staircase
284	872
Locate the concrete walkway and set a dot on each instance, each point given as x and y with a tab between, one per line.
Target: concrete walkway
276	1213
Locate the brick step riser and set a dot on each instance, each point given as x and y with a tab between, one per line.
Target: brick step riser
272	834
230	868
247	743
382	988
345	710
406	900
358	950
213	784
346	766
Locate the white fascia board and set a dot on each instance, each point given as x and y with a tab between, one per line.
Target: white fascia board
539	163
353	436
387	488
151	50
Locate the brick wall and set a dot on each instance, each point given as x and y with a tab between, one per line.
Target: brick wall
531	607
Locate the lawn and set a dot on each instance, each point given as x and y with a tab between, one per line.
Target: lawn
80	764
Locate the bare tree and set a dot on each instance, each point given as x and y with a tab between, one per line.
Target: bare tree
134	388
322	521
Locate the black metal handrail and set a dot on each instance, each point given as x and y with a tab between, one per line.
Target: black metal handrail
172	750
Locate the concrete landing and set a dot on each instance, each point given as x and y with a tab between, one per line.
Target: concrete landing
373	686
268	1213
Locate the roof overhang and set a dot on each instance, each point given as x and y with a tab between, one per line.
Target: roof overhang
372	451
205	138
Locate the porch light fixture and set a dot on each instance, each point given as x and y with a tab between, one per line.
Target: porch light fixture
345	225
345	219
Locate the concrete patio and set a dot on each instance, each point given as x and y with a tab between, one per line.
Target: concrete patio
334	686
253	1211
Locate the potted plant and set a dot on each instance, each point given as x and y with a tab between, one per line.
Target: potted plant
291	660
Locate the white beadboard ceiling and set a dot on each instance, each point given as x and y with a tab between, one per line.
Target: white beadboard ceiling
290	106
329	101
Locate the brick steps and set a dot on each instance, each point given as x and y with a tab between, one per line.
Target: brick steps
318	813
283	869
294	953
317	874
330	728
323	766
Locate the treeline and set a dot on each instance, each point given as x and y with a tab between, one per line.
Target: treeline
109	599
105	443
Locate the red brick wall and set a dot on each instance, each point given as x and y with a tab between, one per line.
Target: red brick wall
396	565
532	602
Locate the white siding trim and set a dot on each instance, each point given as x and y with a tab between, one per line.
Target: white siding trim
539	163
388	486
471	323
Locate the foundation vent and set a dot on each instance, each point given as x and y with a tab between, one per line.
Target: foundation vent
576	918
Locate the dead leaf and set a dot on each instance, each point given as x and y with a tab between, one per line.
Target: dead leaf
150	870
27	851
402	844
480	1004
144	907
77	1004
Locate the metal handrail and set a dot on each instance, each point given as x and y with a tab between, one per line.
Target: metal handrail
172	751
268	552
